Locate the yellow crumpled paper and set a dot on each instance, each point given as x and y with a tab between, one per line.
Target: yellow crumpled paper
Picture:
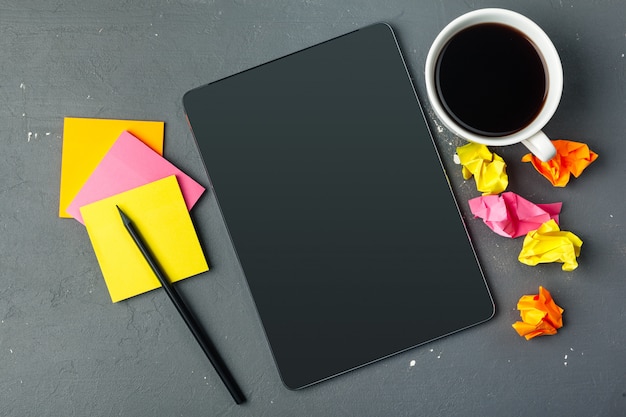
550	244
571	159
487	168
540	315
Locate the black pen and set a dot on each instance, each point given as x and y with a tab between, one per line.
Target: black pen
200	335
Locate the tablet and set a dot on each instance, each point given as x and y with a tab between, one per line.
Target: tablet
337	205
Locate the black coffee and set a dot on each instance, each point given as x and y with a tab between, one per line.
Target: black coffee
491	79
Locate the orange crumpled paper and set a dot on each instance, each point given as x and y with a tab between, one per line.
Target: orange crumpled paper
550	244
487	168
571	159
540	315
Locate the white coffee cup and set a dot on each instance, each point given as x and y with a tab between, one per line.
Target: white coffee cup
530	135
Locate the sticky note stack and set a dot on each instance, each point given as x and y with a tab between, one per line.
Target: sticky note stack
108	163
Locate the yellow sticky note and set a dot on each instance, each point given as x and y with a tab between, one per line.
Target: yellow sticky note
551	244
160	215
487	168
86	141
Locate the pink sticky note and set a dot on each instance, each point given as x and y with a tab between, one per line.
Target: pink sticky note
512	216
130	163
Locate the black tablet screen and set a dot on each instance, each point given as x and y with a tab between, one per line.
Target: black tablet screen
337	205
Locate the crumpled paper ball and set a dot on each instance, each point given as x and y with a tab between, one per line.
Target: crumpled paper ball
550	244
511	215
571	159
487	168
540	315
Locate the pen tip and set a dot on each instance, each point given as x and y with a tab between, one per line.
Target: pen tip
124	217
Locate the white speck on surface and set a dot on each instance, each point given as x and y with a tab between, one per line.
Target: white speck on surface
610	215
622	55
412	363
88	96
156	34
47	133
564	363
456	159
565	357
10	350
23	114
432	350
23	86
439	127
30	135
572	349
101	29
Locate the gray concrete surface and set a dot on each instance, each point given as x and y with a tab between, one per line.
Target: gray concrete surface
66	350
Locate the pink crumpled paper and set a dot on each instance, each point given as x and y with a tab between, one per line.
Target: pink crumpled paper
511	215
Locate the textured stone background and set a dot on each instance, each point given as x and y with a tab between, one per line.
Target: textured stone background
66	350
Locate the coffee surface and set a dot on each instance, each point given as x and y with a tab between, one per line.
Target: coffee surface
491	79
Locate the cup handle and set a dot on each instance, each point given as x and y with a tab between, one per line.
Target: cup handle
541	146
